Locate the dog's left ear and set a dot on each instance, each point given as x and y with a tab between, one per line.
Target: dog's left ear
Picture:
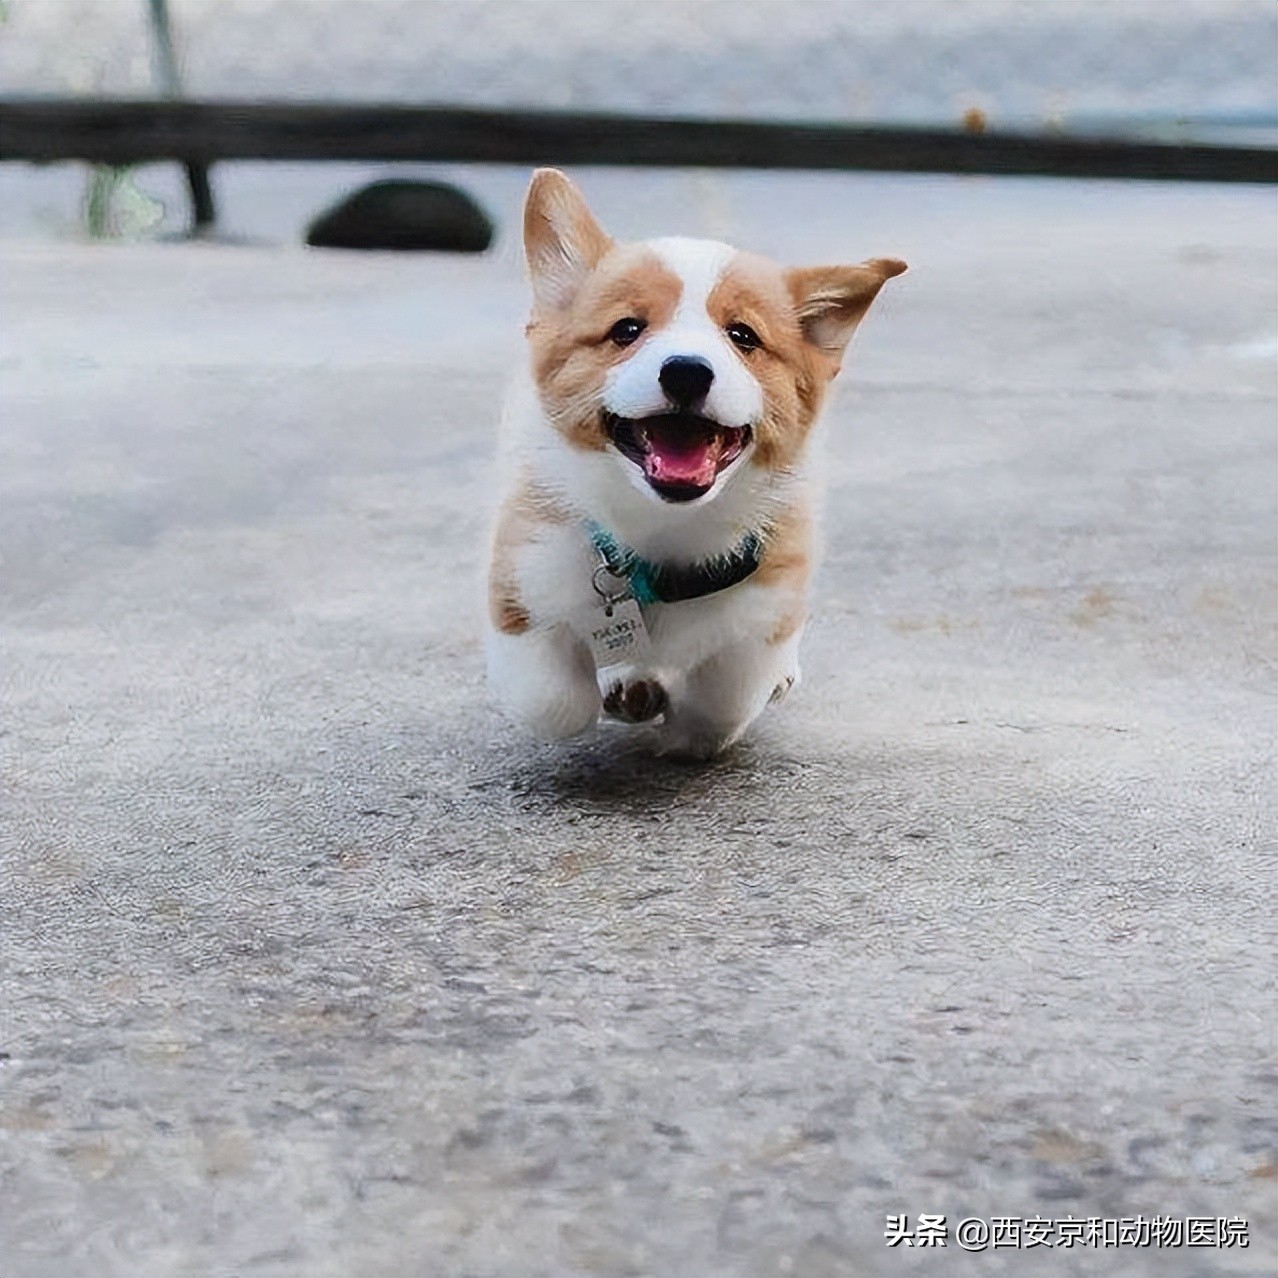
562	240
830	301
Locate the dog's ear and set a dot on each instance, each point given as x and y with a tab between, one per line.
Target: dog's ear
830	301
562	240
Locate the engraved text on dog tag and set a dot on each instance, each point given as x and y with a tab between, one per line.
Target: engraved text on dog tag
615	632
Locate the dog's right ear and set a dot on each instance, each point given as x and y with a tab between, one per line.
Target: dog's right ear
562	240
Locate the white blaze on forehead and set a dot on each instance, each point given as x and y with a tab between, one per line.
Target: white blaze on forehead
633	388
698	263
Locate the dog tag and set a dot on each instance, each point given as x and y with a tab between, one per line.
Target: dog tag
615	632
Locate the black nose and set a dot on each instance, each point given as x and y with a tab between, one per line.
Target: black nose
686	380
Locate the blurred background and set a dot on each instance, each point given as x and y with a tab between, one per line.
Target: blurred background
1030	63
1183	70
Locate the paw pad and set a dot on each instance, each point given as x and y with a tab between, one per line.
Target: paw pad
635	702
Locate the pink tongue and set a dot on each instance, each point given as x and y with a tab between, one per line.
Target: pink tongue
683	458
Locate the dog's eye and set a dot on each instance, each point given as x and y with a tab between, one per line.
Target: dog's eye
625	331
743	336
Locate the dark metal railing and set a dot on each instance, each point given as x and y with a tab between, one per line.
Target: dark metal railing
120	132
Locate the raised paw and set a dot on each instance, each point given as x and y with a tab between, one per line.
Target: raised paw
635	702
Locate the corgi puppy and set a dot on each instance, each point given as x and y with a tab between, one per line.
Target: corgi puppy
652	552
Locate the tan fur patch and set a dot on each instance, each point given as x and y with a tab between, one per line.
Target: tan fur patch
789	625
787	555
787	564
792	373
527	509
571	350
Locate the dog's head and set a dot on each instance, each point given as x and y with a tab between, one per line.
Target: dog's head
685	358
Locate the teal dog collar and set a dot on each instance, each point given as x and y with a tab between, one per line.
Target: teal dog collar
667	583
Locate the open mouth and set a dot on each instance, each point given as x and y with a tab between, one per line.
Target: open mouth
680	454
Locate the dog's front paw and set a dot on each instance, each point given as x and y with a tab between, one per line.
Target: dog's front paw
635	702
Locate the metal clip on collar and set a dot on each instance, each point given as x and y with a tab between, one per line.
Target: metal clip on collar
610	597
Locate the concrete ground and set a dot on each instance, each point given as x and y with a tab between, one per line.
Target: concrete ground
311	965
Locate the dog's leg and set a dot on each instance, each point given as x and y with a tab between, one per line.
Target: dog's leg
545	679
721	697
